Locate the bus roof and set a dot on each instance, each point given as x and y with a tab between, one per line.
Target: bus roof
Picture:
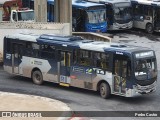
147	2
80	3
110	1
77	42
26	37
84	4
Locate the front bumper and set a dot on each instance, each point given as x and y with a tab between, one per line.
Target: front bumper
140	90
117	26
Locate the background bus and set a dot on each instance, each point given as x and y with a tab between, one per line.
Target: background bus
106	67
118	12
146	15
86	16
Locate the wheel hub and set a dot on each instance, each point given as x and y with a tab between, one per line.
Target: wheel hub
102	90
37	77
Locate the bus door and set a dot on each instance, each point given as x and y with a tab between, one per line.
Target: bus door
78	19
16	58
64	62
109	14
120	63
156	17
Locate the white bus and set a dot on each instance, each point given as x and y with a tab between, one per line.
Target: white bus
119	13
109	68
146	15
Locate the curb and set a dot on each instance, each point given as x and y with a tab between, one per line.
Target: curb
20	99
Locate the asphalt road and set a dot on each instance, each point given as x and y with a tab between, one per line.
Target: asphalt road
79	99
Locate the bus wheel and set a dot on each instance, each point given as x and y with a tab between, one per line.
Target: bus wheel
37	77
149	28
105	91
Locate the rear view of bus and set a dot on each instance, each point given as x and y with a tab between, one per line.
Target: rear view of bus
118	12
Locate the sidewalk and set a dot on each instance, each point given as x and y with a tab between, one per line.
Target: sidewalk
19	102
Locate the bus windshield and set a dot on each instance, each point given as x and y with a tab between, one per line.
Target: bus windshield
25	16
122	12
96	16
145	69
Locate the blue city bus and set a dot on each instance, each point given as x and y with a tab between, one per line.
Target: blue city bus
87	16
118	12
109	68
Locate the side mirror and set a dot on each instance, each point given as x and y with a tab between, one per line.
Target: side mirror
14	16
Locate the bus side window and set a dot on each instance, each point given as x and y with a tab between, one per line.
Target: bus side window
36	49
96	60
101	60
84	58
148	11
105	61
138	12
75	56
29	51
8	45
48	52
15	50
32	49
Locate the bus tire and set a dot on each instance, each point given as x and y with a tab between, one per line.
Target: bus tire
104	90
37	77
149	28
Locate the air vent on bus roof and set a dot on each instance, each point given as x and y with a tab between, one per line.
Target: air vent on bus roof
75	38
80	1
156	0
118	46
87	41
61	38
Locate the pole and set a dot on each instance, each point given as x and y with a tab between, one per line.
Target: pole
40	10
63	12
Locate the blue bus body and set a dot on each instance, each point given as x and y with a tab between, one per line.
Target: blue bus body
118	13
97	23
87	16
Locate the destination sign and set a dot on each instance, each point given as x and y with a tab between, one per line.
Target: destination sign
144	54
